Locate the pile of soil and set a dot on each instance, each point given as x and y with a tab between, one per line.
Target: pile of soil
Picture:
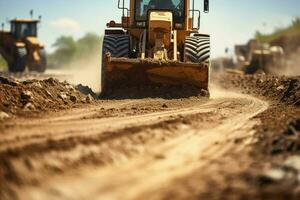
282	136
275	169
279	132
36	96
284	90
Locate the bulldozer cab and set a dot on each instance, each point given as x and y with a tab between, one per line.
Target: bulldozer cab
184	13
143	7
24	28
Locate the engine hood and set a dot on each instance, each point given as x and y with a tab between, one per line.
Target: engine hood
34	42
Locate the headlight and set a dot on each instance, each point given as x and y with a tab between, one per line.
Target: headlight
178	26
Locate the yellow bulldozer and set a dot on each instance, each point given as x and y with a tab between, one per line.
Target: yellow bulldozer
259	57
157	42
20	46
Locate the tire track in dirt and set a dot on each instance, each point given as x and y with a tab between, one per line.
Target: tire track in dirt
76	122
161	159
46	153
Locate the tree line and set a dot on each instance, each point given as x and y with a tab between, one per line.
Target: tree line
68	50
287	37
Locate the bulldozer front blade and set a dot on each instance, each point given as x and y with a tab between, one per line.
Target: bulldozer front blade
134	72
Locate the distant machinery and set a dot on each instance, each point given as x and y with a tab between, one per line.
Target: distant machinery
20	46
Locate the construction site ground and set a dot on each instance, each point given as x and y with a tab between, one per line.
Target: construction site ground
58	141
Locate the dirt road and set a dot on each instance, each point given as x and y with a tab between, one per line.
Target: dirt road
122	149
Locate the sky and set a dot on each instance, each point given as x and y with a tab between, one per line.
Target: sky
229	21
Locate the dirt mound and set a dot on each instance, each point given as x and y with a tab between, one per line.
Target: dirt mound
280	135
289	140
36	96
276	140
155	91
282	89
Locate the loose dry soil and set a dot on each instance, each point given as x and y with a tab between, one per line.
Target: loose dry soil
151	142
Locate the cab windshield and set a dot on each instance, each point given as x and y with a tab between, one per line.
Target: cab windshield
176	6
21	30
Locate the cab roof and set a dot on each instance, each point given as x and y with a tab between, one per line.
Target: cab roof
24	21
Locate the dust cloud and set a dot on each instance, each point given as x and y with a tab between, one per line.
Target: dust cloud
85	71
292	64
290	67
218	92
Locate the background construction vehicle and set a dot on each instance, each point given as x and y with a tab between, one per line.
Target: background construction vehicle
20	46
259	57
158	41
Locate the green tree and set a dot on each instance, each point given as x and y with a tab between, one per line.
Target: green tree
293	30
88	44
66	49
296	22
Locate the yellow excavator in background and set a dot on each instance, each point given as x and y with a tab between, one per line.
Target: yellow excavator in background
157	42
20	46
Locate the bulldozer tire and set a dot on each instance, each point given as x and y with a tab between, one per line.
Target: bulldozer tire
117	46
197	49
19	63
41	67
252	68
43	64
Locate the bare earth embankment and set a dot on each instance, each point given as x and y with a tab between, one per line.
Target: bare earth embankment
240	143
